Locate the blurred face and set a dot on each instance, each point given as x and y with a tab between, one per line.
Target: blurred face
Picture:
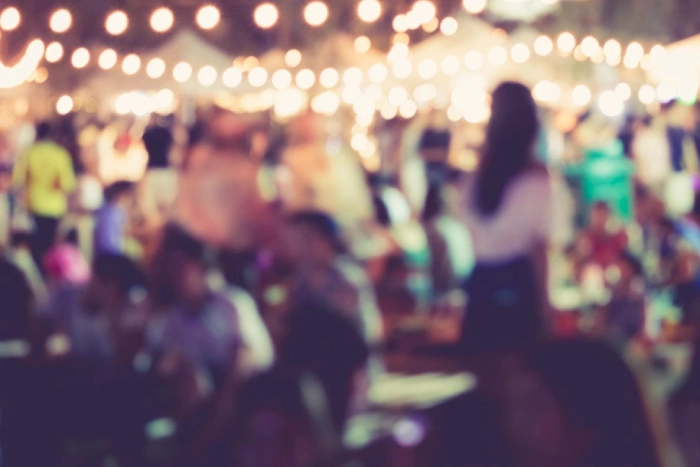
600	216
306	247
100	294
190	279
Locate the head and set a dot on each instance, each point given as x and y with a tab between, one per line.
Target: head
630	268
181	269
328	345
115	278
120	193
574	403
65	265
17	302
313	239
434	203
510	138
600	216
43	131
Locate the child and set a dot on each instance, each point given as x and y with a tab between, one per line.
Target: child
112	224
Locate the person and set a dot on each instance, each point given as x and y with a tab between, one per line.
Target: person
295	414
46	175
626	311
15	318
327	277
507	208
112	224
158	189
652	153
684	412
603	242
201	323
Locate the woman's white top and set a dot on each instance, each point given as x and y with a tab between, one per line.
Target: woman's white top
522	221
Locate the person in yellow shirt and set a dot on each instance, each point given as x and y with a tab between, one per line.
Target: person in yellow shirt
46	178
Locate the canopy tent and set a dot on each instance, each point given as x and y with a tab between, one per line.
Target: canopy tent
680	64
184	46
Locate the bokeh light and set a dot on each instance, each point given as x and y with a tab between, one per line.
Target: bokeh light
449	26
450	65
566	42
131	64
581	95
80	58
61	21
329	78
647	94
281	79
305	79
378	73
316	13
10	19
207	75
266	15
107	59
182	72
611	104
162	19
232	77
117	23
208	17
362	44
497	55
520	53
257	77
369	11
54	52
427	69
474	6
543	46
474	60
64	105
292	58
624	91
155	68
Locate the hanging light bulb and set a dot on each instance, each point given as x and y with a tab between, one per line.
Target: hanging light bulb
61	21
208	17
162	19
131	64
107	59
182	72
316	13
155	68
10	19
116	23
266	15
80	58
369	11
54	52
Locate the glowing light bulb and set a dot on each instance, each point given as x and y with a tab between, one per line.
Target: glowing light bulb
61	21
520	53
131	64
566	42
427	69
305	79
378	73
425	10
635	51
292	58
257	77
581	95
329	78
64	105
116	23
624	91
208	17
207	75
362	44
474	6
232	77
316	13
162	19
182	72
107	59
155	68
10	19
281	79
612	48
80	58
266	15
647	94
449	26
543	46
611	104
400	23
590	46
369	11
326	103
54	52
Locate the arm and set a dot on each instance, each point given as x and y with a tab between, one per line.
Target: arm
66	175
257	353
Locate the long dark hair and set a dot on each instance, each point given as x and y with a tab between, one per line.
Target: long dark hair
510	137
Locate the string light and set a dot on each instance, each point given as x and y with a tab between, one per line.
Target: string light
305	79
131	64
326	103
232	77
647	94
362	44
266	15
425	10
474	60
543	46
208	17
431	26
427	69
497	55
107	59
155	68
80	58
257	77
624	91
474	6
281	79
316	13
546	91
292	58
329	78
450	65
590	46
520	53
19	73
400	23
378	73
611	104
182	72
352	77
64	105
581	95
61	21
116	23
566	42
449	26
54	52
207	75
10	19
369	11
162	19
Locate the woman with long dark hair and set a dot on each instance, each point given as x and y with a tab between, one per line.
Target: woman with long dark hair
507	208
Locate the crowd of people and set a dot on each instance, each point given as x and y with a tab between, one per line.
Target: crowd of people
235	305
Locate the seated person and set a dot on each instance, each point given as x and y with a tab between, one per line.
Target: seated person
602	242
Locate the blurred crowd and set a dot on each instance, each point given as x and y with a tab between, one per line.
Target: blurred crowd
238	293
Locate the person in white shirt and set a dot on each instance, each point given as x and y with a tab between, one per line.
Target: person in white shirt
507	208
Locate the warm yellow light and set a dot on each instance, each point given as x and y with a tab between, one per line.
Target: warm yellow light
566	42
630	61
326	103
232	77
408	109
208	17
397	96
378	73
54	52
402	69
207	75
581	95
474	6
10	19
107	59
316	13
425	10
546	91
292	58
474	60
61	21
543	46
611	104
666	92
647	94
388	111
369	11
624	91
329	78
281	79
266	15
497	55
400	23
590	46
80	58
131	64
351	94
449	26
362	44
657	55
450	65
162	19
635	51
520	53
116	23
257	77
612	48
305	79
155	68
413	20
352	77
182	72
431	26
427	69
64	105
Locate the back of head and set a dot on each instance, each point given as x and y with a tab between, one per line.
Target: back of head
599	396
120	270
320	223
434	203
118	189
510	138
16	302
43	131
